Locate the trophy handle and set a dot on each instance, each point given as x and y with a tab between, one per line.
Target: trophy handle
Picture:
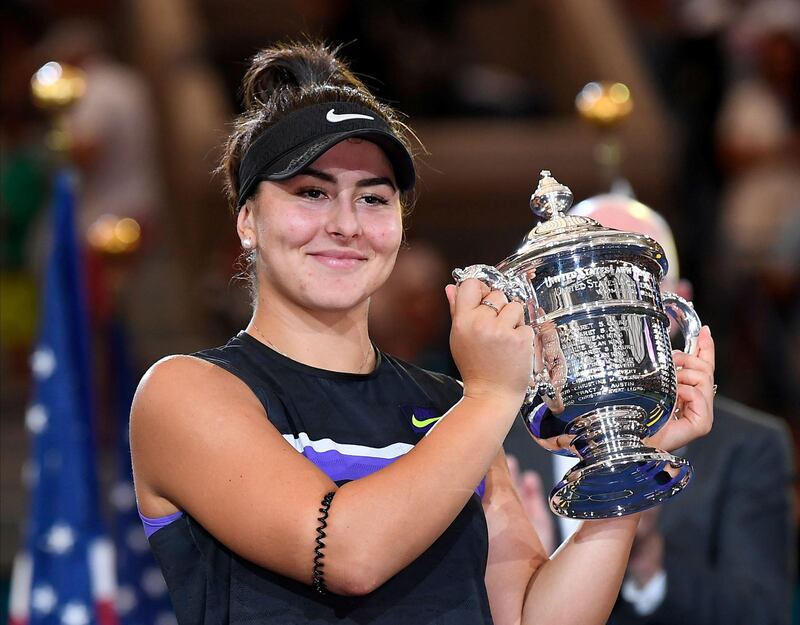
686	317
514	287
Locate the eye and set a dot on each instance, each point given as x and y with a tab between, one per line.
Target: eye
311	193
374	200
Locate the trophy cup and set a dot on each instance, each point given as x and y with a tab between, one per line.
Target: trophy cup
604	378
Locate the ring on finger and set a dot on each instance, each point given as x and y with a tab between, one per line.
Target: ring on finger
486	302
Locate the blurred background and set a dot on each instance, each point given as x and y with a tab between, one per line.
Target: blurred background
711	142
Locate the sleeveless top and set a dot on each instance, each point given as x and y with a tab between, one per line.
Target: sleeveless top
349	425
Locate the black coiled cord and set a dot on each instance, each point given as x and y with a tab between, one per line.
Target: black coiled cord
317	574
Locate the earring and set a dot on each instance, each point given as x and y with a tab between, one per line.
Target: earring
247	243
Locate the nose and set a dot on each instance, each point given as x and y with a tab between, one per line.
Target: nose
343	219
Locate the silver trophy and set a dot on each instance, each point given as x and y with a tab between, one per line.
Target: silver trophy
603	369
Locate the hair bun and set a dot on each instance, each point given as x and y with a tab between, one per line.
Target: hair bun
286	78
293	66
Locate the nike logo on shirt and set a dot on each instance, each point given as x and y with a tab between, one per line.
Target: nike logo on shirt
424	423
335	118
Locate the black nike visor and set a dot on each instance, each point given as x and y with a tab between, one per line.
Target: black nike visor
290	145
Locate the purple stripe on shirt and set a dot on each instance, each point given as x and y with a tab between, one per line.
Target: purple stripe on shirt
152	525
339	466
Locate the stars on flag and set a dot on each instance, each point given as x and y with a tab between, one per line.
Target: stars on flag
36	418
60	539
125	601
123	497
153	582
75	613
43	599
43	363
136	539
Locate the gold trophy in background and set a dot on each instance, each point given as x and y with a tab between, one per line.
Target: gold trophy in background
606	105
55	87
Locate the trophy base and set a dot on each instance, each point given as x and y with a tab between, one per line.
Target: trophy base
617	474
619	483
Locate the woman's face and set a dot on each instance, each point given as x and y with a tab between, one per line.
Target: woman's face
327	238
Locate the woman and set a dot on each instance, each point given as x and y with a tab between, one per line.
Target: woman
399	507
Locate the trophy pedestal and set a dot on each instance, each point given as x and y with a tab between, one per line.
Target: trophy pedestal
617	474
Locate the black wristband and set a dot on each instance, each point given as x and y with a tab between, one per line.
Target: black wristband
317	574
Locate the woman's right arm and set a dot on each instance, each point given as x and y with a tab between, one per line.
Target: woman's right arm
200	443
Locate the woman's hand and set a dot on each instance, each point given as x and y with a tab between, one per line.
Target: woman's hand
491	345
695	404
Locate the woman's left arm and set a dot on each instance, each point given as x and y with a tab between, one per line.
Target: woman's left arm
580	582
577	585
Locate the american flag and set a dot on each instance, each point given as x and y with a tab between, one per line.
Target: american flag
65	576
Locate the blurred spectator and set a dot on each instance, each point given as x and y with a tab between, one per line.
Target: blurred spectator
408	315
758	122
758	139
112	128
722	551
682	41
434	72
112	138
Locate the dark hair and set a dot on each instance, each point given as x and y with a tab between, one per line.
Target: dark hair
288	77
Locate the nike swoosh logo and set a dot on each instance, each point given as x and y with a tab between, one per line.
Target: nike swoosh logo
424	423
334	117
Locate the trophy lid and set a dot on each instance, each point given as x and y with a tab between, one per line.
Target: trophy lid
559	232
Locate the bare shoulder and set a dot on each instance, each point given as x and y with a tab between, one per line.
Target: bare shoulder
181	404
161	379
185	385
174	373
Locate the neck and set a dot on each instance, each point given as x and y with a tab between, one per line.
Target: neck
336	341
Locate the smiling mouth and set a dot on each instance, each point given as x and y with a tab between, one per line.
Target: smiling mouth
339	260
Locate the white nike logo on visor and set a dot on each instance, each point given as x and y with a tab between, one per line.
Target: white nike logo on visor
336	118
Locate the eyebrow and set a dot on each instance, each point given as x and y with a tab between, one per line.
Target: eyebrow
366	182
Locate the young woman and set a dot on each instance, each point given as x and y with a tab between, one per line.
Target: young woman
299	475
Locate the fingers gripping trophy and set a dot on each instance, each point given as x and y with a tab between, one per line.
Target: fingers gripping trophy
604	379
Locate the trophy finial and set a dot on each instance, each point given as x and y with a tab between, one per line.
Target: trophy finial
551	198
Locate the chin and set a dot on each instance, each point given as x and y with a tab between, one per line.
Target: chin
336	302
327	294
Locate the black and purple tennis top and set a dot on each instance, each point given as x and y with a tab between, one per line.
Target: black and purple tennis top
349	425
